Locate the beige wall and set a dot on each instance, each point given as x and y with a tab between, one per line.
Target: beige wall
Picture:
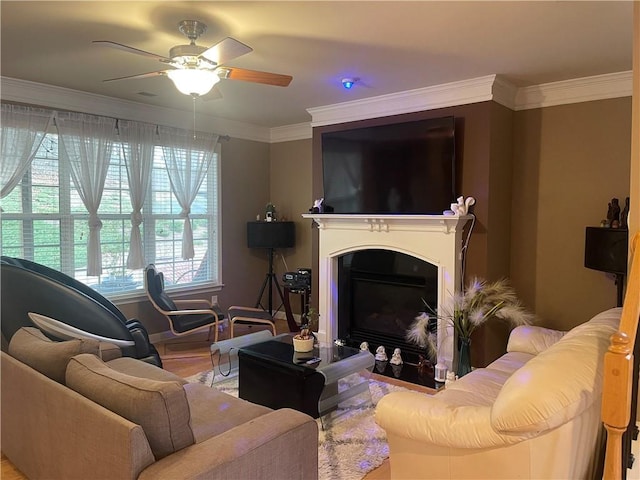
290	175
570	160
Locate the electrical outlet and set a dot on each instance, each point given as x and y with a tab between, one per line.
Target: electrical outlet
214	299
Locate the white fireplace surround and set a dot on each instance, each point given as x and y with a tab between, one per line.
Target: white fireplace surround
436	239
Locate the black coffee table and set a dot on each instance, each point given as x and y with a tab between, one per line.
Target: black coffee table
273	375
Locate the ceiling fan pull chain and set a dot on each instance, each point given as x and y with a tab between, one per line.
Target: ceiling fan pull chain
194	116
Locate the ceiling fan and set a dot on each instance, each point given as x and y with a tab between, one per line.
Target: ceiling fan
196	69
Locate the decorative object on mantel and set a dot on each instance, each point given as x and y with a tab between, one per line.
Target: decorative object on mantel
364	346
381	354
396	358
320	207
338	342
466	311
461	207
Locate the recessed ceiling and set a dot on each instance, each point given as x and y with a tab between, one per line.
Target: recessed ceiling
391	46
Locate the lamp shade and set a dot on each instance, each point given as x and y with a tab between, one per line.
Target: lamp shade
192	81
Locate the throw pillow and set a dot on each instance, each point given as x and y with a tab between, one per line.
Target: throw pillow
532	339
159	407
33	348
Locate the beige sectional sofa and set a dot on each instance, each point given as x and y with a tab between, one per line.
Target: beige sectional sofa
533	413
69	414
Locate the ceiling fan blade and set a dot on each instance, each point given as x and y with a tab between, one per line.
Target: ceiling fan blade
257	77
225	50
140	75
126	48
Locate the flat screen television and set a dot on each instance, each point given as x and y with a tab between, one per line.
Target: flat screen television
402	168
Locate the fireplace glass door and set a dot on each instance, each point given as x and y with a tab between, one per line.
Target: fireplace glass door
380	292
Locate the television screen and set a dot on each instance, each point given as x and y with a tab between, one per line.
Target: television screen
402	168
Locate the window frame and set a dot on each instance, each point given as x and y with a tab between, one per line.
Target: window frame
67	219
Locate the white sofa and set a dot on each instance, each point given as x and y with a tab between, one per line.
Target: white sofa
533	413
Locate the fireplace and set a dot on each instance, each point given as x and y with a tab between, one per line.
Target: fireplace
435	240
380	292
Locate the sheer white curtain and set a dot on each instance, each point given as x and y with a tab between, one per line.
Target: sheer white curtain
187	157
138	142
86	143
21	134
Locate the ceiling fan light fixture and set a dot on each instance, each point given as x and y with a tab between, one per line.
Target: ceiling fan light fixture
191	81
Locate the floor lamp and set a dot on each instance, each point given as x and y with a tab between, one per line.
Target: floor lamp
270	236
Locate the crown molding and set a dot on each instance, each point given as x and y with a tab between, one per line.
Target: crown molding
586	89
504	92
51	96
288	133
418	100
490	87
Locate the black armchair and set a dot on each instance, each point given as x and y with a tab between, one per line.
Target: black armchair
27	286
182	320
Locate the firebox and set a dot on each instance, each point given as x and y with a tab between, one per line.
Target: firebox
380	292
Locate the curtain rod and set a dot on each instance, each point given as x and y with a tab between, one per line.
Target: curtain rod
225	138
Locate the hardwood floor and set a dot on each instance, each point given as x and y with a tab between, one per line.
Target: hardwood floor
190	355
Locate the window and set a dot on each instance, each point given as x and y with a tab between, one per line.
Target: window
44	220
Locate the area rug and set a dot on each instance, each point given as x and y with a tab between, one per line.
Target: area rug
351	444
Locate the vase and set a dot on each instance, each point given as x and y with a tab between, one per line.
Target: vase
464	357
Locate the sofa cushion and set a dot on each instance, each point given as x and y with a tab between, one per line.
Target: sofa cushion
214	412
159	407
532	339
33	348
559	383
138	368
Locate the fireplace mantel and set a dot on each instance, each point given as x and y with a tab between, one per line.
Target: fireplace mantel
386	223
436	239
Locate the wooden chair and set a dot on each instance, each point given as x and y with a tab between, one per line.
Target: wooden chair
250	316
619	390
182	320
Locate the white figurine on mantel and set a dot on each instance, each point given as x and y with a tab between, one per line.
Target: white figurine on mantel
396	358
461	207
381	355
364	346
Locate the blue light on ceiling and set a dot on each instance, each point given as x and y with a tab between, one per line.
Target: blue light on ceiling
348	83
